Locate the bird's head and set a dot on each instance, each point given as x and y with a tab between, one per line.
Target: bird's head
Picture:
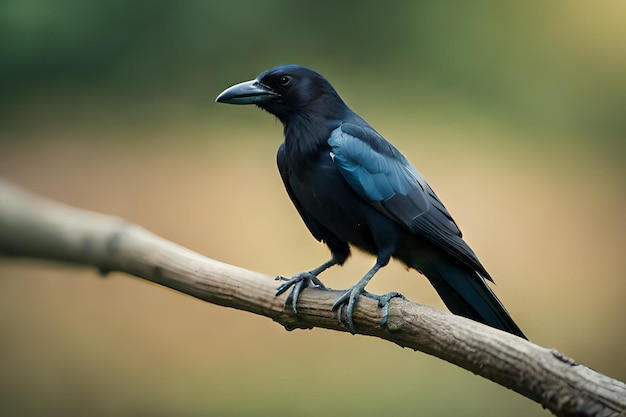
286	91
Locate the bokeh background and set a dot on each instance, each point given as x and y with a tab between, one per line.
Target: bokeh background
514	111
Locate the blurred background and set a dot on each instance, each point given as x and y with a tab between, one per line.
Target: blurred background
515	112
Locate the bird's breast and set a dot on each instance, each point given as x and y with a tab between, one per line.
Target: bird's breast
324	193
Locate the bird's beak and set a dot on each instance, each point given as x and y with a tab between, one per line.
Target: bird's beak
249	92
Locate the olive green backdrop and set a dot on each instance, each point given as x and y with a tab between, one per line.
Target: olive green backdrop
515	112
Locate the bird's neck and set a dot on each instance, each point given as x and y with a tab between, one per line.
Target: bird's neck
306	135
307	129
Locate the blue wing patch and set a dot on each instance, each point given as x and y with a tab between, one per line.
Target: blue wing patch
379	173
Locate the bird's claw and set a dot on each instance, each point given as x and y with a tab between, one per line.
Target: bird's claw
383	303
298	282
347	301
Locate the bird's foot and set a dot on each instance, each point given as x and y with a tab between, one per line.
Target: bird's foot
348	300
298	282
383	303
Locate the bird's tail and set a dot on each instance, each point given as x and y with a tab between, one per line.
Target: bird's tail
467	294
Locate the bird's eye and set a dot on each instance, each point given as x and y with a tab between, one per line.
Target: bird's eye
284	80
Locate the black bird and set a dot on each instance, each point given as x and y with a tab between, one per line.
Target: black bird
353	187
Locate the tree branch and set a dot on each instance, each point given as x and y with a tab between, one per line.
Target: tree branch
34	227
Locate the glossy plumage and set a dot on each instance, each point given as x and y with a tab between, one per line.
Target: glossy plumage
354	188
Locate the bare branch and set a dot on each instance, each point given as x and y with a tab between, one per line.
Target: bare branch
33	227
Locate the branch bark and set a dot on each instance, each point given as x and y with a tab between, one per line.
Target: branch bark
34	227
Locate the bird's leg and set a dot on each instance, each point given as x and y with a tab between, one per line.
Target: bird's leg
348	299
302	280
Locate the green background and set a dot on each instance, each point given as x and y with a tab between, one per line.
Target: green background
515	112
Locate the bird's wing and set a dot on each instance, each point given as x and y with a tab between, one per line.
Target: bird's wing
380	174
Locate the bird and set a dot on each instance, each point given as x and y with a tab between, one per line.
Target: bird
354	189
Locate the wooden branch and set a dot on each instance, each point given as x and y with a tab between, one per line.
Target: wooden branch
34	227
